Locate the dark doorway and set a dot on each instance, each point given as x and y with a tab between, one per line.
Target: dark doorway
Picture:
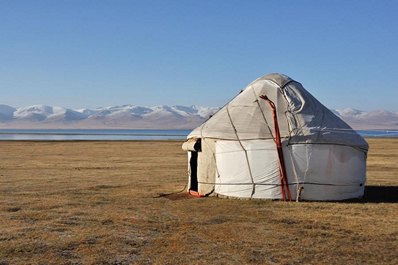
193	164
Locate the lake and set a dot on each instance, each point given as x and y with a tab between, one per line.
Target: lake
124	135
92	134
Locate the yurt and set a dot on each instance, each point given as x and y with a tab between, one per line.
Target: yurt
274	140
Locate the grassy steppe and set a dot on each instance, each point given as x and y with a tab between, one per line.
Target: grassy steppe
97	203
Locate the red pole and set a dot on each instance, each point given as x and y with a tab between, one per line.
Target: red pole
282	170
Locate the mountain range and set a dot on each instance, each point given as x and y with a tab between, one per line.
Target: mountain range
115	117
155	117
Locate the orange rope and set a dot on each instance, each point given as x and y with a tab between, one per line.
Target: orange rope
282	170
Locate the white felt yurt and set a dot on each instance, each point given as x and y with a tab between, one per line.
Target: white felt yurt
276	141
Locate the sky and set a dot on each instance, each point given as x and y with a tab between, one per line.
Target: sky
186	52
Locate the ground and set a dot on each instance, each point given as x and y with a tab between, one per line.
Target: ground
103	203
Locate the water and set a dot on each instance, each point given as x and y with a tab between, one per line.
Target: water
124	135
90	135
378	133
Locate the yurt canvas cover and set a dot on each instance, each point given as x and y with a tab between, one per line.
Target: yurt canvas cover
276	141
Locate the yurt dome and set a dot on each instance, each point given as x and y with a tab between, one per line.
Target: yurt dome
276	141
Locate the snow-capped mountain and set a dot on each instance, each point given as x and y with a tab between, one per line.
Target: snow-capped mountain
155	117
378	119
6	112
47	113
126	116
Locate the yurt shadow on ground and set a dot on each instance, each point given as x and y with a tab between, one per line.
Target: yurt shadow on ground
276	141
380	194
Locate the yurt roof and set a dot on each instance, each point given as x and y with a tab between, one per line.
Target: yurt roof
301	117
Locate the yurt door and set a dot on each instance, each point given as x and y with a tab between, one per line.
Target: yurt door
193	164
193	146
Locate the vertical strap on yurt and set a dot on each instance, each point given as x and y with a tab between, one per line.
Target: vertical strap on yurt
282	170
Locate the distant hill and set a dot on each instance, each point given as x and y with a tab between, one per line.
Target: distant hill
117	117
155	117
368	120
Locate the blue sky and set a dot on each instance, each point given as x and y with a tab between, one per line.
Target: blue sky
99	53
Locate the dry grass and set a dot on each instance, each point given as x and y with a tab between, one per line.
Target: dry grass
96	203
